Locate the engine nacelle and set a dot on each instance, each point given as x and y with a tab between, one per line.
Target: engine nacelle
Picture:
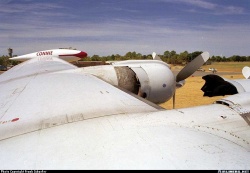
150	79
218	86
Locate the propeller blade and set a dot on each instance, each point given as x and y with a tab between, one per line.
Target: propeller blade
191	67
156	57
174	101
180	84
246	72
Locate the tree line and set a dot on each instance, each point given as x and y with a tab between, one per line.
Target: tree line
170	57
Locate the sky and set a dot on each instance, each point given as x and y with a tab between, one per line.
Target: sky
106	27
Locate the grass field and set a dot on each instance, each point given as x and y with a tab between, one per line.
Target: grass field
191	95
227	66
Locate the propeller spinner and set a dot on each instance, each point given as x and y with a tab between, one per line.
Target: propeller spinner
188	70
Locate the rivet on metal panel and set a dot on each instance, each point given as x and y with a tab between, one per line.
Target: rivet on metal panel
224	117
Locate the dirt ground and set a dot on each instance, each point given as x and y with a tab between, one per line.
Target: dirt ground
192	95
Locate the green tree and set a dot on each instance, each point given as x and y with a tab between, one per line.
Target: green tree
4	60
184	57
95	58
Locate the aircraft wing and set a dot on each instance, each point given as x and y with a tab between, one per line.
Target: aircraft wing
56	116
36	67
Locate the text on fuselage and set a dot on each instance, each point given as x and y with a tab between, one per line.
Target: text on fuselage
44	53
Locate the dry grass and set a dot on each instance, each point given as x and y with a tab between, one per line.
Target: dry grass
191	95
228	66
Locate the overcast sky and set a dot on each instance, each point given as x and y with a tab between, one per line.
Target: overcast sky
106	27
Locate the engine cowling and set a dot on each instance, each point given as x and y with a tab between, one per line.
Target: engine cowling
218	86
150	79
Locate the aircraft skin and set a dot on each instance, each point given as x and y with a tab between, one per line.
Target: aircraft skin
68	55
54	115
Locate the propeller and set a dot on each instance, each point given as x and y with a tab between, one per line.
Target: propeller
191	67
156	57
188	70
246	72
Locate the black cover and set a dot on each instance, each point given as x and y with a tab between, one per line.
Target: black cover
217	86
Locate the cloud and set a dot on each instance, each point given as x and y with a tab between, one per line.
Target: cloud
199	3
216	9
119	37
47	29
12	7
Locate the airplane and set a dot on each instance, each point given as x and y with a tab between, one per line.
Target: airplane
136	76
68	55
54	115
